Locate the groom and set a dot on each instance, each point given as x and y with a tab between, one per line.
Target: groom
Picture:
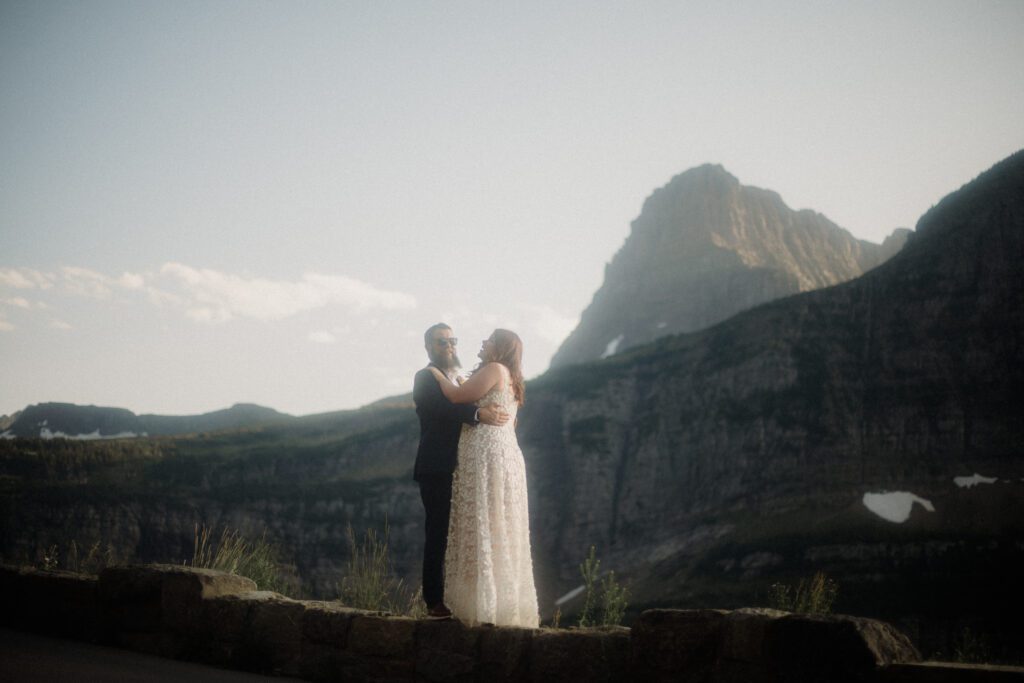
440	424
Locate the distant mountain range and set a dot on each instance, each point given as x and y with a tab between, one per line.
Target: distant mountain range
706	247
871	430
71	421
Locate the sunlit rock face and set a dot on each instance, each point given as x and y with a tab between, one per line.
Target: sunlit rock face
705	248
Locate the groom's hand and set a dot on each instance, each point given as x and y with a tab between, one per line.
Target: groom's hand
493	415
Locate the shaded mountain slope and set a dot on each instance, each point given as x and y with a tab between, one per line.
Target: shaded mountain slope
774	424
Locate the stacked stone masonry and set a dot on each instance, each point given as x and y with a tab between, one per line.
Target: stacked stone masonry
220	619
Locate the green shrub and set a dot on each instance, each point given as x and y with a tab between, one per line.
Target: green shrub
606	608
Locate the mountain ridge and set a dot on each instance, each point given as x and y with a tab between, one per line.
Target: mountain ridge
705	247
74	421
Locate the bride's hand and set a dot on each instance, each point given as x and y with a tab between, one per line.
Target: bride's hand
438	375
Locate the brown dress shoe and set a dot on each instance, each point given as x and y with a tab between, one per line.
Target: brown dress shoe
439	611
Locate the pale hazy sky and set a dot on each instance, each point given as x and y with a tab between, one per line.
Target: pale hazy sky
204	203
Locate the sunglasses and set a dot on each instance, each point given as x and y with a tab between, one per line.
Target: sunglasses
450	341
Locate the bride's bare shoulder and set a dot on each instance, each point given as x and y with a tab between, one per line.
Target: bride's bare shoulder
499	371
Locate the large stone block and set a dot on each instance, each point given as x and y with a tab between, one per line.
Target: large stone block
380	636
54	602
948	672
504	653
446	651
225	618
592	654
183	590
134	617
676	644
833	648
147	598
328	623
743	633
130	583
273	640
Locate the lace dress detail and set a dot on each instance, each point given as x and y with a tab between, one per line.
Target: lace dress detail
488	565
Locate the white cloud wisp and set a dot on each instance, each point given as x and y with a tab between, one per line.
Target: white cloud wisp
206	295
214	296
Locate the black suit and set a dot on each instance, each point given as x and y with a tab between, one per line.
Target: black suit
440	426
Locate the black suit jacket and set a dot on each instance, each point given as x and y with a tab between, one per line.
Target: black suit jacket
440	425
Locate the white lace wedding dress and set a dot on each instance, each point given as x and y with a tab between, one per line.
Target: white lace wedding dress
488	566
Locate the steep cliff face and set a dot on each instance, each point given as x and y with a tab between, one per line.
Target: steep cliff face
711	461
302	482
705	248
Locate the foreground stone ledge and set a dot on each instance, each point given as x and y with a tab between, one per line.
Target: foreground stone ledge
741	656
833	647
599	655
216	618
948	672
666	642
57	602
446	651
504	654
328	623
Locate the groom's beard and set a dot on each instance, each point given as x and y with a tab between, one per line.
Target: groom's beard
446	362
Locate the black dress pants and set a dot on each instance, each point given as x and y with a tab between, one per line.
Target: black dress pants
436	494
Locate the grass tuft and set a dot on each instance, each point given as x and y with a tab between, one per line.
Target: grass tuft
232	553
369	582
810	596
95	560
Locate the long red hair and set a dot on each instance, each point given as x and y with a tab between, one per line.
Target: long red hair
508	350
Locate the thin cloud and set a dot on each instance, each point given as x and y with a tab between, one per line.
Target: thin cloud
25	278
132	281
215	296
86	282
206	295
17	302
70	279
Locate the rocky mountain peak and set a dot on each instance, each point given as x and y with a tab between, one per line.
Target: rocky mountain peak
706	247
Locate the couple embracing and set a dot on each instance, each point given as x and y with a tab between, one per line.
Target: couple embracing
476	561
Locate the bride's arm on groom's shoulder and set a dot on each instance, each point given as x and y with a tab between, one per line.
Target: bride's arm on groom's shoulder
482	381
431	403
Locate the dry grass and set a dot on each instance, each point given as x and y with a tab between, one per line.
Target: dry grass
232	553
810	596
369	582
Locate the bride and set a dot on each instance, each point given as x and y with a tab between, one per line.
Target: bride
488	567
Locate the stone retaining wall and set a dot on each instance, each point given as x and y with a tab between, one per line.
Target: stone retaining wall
207	616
